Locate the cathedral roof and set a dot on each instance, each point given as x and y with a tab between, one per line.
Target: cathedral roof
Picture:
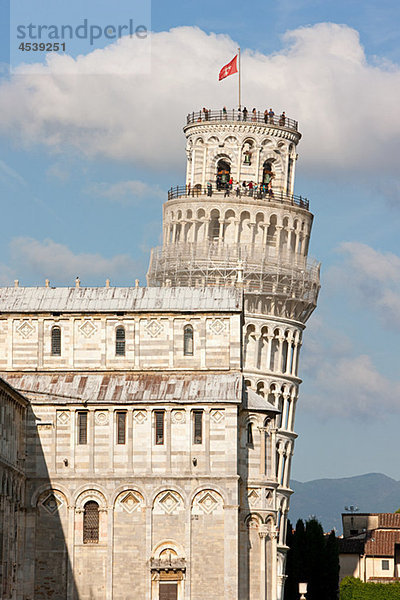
125	388
119	299
253	401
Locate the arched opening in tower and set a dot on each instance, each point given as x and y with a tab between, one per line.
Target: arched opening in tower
214	226
267	172
223	173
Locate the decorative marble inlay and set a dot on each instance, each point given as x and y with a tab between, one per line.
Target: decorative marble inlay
154	328
169	502
88	328
101	418
253	496
139	416
178	416
217	326
63	417
52	503
217	415
208	503
25	329
131	502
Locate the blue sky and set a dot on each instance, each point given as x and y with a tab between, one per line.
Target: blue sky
86	158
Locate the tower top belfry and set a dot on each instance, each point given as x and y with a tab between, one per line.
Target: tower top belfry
244	146
237	220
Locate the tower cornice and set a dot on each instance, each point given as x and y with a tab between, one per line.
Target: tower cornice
245	128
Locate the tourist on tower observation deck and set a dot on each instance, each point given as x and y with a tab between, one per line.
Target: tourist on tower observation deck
250	188
244	113
239	113
224	113
254	115
266	115
238	190
271	115
282	119
209	188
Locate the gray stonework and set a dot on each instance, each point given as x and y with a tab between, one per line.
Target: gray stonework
13	412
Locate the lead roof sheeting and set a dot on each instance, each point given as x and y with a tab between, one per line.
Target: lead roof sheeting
253	401
119	299
128	387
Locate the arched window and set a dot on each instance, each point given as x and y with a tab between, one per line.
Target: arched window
91	523
249	434
188	340
120	341
56	341
223	173
267	172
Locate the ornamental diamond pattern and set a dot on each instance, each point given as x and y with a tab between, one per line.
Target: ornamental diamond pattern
139	416
217	326
52	503
169	502
217	416
25	329
154	328
208	503
253	497
88	328
63	418
130	502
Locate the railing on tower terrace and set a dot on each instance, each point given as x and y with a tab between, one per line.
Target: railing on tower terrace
238	115
267	195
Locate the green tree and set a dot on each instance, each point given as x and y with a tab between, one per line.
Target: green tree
331	567
312	557
315	560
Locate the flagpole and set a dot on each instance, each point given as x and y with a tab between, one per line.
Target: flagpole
240	99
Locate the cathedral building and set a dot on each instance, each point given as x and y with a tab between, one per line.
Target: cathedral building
147	433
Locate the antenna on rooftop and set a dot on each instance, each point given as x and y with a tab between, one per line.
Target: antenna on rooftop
351	509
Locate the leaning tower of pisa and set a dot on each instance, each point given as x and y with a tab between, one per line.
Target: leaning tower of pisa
255	237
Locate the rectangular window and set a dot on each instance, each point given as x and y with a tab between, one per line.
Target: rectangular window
82	428
385	565
121	427
198	427
159	425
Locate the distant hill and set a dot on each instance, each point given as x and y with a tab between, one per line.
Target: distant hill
326	498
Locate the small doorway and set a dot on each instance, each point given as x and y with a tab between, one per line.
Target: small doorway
168	590
223	174
267	173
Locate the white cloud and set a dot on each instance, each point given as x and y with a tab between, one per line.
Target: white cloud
49	259
352	387
126	192
340	382
347	108
374	278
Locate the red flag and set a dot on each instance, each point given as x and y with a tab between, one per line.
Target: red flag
229	69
